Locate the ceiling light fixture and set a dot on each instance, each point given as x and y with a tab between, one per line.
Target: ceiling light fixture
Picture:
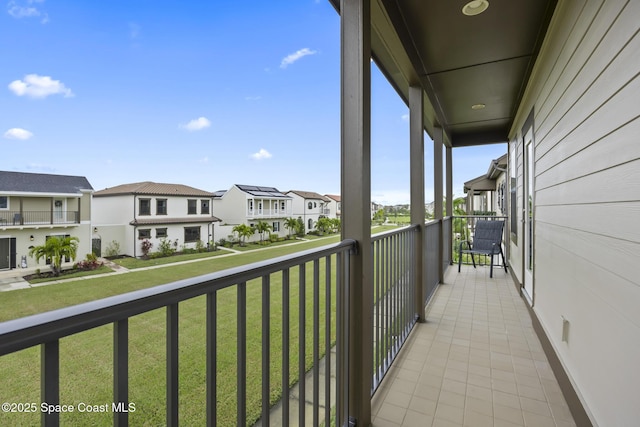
475	7
478	106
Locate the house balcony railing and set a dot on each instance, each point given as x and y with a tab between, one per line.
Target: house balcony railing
22	218
268	213
291	312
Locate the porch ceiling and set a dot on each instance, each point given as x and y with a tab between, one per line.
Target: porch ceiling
460	60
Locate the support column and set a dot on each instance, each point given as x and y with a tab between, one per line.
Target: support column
449	160
416	155
437	194
355	69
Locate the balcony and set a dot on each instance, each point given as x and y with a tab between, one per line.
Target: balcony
475	359
268	213
30	218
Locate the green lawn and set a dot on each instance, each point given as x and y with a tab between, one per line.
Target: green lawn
71	275
86	358
86	363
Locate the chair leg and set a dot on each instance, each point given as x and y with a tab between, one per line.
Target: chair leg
459	259
503	261
473	260
491	267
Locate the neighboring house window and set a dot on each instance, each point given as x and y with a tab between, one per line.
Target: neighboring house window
192	207
4	202
275	207
191	234
161	233
276	226
259	207
144	233
315	205
145	207
309	205
204	206
338	205
251	204
282	206
310	223
161	206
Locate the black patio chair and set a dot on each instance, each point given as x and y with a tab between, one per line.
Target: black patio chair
487	240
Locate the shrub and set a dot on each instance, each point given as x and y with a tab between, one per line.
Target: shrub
165	248
145	247
274	238
200	247
90	263
112	249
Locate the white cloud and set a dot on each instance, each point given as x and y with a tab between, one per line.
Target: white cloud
197	124
25	9
35	86
405	117
18	133
262	154
290	59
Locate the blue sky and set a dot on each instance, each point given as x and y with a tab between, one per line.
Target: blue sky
206	94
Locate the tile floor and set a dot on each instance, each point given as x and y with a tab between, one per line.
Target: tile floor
476	362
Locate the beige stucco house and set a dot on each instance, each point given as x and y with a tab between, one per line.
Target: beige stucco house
35	207
131	213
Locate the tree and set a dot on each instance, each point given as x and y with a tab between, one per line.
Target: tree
323	225
56	248
262	227
243	231
336	224
291	224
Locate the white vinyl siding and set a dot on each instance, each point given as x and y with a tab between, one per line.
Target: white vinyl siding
584	95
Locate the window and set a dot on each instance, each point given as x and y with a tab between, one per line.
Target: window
4	202
144	233
315	205
259	207
144	207
309	205
282	206
161	233
191	234
276	226
161	206
310	223
192	207
251	204
204	206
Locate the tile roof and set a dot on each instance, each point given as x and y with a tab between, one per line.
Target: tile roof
153	189
162	221
309	195
42	183
254	190
333	196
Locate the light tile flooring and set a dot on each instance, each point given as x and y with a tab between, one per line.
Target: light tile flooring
476	362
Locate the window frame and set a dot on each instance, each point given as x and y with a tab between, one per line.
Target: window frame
158	210
205	203
140	232
275	226
190	229
192	206
147	211
161	236
6	204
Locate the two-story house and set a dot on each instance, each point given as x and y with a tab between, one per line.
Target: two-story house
334	205
34	207
248	204
309	206
131	213
486	193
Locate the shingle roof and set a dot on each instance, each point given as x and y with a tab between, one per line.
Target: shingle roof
153	189
309	195
262	191
333	196
42	183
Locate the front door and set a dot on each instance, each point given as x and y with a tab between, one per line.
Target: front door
5	253
528	212
58	211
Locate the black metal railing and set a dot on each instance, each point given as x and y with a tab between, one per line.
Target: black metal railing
317	277
394	296
20	218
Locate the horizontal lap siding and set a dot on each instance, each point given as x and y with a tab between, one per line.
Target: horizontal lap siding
586	100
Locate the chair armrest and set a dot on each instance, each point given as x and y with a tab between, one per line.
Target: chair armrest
463	242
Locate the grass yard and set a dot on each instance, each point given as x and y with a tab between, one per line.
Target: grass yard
86	359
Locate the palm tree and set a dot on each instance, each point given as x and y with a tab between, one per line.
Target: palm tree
262	227
324	225
291	224
243	231
56	248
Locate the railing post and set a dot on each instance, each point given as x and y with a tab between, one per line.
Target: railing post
355	175
416	158
437	194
